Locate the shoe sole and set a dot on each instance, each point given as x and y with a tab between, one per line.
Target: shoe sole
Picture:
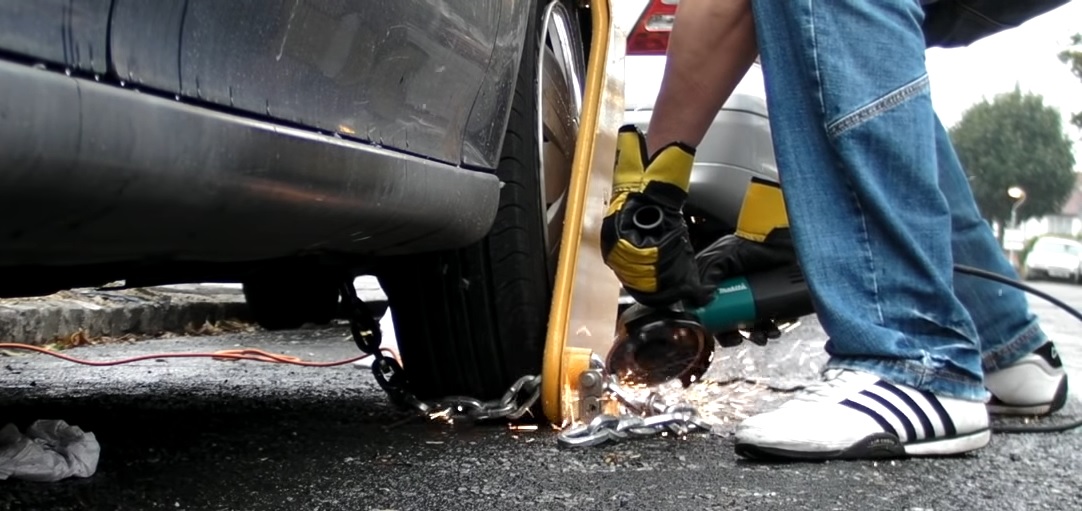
877	446
1058	401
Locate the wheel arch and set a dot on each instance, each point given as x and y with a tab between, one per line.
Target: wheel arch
483	138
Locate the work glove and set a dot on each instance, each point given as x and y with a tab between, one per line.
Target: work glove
761	242
644	238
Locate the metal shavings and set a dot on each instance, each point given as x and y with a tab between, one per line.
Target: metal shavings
444	415
719	402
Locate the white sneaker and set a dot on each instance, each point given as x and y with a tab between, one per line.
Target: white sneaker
1034	385
856	415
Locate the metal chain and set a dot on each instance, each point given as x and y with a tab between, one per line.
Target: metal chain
645	418
605	428
391	377
649	417
515	403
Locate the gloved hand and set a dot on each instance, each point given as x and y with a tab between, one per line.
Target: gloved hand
761	242
644	238
759	335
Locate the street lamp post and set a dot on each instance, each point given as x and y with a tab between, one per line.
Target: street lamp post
1019	196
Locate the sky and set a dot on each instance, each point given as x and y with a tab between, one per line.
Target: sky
1026	55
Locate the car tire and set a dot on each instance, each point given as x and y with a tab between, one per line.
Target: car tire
472	321
288	299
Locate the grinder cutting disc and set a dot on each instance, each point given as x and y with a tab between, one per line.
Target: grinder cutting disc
654	346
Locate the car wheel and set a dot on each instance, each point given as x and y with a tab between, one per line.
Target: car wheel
280	300
473	320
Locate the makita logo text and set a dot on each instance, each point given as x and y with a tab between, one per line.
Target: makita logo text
733	288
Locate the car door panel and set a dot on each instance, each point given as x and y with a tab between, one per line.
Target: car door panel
145	42
70	33
402	74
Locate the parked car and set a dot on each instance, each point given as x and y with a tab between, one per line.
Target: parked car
288	145
1054	258
737	147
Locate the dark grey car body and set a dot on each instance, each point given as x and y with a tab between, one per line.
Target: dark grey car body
164	140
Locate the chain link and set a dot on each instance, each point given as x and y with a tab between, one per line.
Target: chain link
646	418
391	377
515	403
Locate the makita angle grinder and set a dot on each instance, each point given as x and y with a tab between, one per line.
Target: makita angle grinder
654	346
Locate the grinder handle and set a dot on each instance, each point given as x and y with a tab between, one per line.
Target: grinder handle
781	293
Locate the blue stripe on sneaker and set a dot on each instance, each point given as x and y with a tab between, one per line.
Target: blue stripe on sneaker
910	431
948	424
873	414
925	422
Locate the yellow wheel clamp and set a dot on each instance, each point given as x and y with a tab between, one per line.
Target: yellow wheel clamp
582	319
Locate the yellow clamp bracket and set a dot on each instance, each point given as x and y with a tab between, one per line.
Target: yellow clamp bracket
584	303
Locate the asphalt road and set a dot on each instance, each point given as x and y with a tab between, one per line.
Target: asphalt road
193	434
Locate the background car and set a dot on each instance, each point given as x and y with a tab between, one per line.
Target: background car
1055	258
294	145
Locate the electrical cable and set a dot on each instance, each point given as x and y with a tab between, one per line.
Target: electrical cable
977	272
251	354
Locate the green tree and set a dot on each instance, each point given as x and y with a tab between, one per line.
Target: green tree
1015	140
1072	56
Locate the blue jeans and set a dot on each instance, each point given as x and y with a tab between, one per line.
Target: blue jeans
880	209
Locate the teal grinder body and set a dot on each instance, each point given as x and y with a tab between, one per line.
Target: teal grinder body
657	345
741	302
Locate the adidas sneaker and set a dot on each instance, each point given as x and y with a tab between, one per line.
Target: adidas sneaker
1034	385
856	415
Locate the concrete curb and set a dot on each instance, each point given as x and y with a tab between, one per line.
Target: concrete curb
142	311
40	320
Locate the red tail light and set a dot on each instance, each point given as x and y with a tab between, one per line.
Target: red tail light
651	33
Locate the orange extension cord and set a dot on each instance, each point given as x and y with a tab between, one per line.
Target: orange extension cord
241	354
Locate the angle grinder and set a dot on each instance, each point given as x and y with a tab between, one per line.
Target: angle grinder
654	346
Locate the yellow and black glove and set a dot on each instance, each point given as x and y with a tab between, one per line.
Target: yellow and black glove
644	238
761	243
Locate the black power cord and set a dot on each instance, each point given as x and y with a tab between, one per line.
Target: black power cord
976	272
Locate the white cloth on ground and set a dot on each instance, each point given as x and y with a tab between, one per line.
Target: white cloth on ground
49	451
